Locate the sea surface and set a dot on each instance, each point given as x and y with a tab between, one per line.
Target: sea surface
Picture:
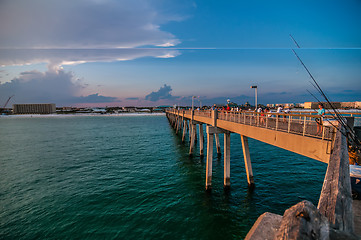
130	177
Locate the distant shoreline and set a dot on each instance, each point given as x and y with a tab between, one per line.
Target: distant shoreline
79	115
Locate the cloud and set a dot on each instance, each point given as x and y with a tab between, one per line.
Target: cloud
96	98
164	93
85	24
132	98
59	87
59	57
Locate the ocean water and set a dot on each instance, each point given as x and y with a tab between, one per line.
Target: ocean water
130	177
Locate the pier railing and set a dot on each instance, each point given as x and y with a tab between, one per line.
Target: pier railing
294	123
301	124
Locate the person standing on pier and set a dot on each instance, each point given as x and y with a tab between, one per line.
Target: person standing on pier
228	108
321	112
279	109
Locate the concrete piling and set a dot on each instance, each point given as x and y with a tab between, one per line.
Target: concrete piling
210	137
184	130
227	160
201	140
218	145
178	122
247	162
193	132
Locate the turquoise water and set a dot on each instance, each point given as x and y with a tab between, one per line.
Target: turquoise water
130	177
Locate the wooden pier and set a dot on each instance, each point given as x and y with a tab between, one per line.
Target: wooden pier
296	132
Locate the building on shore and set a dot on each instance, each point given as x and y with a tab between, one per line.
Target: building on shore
37	108
351	105
314	105
342	105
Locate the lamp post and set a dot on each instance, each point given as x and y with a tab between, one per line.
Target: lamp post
255	95
193	97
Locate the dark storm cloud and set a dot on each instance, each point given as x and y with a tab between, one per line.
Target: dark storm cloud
163	93
58	87
96	98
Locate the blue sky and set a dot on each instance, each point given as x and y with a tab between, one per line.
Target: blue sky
156	52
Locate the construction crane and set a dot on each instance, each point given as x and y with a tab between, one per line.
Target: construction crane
2	110
6	103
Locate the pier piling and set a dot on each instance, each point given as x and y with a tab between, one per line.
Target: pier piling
218	145
247	162
210	137
193	133
201	140
184	130
227	160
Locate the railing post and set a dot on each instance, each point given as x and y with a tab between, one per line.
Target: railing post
304	126
289	123
266	120
215	117
277	122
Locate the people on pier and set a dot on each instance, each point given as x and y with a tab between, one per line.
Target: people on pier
228	108
263	117
321	112
279	109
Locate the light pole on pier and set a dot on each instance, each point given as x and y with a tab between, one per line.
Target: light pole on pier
255	95
193	97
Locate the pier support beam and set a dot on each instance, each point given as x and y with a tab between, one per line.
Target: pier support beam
218	145
189	130
210	137
184	130
177	124
201	140
211	132
247	162
193	133
227	160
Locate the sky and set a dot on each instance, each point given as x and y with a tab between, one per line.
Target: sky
159	52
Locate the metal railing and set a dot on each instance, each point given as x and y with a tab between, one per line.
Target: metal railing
301	124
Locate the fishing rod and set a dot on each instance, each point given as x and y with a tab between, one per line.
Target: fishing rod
327	110
339	117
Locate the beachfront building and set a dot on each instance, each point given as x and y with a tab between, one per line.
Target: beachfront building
340	105
37	108
351	105
314	105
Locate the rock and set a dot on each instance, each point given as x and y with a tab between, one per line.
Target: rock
303	221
